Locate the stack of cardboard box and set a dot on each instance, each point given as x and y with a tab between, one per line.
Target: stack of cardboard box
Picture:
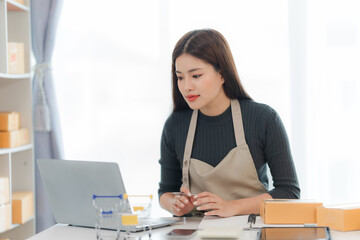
11	135
344	217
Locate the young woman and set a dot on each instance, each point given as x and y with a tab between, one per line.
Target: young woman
217	143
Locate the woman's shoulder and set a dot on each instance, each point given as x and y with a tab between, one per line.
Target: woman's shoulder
256	108
178	119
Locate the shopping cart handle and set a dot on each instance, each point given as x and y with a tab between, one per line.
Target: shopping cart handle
107	212
115	196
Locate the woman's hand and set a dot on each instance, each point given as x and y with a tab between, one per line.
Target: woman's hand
178	204
214	205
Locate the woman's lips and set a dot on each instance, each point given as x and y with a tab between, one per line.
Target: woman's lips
192	97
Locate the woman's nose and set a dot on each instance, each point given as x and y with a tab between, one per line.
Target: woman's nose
188	84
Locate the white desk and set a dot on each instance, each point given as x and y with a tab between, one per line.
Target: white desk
61	232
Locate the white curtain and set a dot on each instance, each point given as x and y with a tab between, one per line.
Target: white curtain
299	57
332	100
48	139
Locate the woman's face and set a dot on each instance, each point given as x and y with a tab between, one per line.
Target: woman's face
200	85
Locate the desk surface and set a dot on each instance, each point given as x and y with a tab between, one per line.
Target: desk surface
61	231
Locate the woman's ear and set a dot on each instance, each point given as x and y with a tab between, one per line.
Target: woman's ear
222	78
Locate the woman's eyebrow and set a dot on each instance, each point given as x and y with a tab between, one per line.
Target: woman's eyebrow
191	70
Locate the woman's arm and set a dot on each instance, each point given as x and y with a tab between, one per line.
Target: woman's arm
171	174
277	153
215	205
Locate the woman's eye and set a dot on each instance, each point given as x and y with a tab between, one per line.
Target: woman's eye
179	78
197	76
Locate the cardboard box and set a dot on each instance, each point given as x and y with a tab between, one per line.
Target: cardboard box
5	217
15	138
20	1
9	121
4	190
22	206
16	58
344	217
288	211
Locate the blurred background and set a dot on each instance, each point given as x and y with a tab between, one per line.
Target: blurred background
112	76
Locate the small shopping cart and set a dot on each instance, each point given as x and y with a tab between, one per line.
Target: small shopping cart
137	211
108	216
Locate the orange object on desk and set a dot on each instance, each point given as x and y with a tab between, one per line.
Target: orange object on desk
344	217
288	211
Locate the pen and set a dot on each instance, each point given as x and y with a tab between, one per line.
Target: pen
181	193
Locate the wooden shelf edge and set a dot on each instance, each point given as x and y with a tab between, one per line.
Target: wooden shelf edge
15	76
15	6
16	149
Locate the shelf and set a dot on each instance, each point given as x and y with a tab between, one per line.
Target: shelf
16	94
15	76
15	6
15	149
17	225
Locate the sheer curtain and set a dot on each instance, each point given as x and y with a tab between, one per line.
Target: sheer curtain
114	96
332	100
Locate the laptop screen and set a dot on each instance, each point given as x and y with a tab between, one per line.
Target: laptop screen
70	186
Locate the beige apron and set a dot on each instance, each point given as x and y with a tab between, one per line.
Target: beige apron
234	177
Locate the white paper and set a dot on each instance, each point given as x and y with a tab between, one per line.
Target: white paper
213	221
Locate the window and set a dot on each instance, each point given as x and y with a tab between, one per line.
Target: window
112	74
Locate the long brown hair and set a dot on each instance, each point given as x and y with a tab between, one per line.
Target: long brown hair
211	47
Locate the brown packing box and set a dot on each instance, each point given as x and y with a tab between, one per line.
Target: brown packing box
5	217
288	211
22	206
16	62
15	138
4	190
344	217
9	121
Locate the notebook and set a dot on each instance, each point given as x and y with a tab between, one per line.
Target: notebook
70	186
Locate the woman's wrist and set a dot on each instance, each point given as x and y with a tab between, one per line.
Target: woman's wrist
249	205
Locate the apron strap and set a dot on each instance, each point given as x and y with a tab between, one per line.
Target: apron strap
237	122
188	149
239	137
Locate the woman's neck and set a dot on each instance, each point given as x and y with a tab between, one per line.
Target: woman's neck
217	106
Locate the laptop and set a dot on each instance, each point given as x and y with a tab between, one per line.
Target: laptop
70	186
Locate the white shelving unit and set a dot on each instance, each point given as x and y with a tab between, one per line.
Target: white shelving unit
16	95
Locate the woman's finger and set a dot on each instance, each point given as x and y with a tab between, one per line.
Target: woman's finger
204	200
186	191
208	206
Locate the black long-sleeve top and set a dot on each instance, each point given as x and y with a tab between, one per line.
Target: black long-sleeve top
214	138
